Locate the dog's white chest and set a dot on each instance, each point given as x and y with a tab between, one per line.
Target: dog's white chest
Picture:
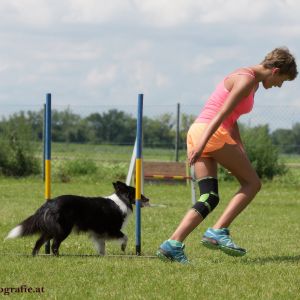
123	207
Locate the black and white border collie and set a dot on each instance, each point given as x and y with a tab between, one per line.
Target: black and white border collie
103	217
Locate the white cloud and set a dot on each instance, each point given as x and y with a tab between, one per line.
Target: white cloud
291	31
140	47
96	11
67	50
140	74
154	13
32	12
164	12
100	77
231	11
199	63
169	49
161	80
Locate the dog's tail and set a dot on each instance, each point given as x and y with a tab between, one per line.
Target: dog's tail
28	227
33	224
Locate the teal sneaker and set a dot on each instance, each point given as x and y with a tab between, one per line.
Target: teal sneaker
171	250
220	239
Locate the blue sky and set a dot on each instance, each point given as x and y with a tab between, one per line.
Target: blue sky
103	53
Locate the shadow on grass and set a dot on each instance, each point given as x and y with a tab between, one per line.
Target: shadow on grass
272	259
82	255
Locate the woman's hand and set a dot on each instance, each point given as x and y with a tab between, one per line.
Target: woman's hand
193	156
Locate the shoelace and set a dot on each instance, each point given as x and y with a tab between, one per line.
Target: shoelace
227	241
180	254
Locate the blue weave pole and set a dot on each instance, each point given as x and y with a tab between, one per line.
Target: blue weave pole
138	174
47	155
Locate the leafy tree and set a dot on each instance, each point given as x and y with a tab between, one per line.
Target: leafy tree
66	127
17	148
284	139
185	123
287	140
35	120
262	153
157	132
296	133
95	128
118	127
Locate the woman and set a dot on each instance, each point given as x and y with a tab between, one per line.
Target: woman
214	138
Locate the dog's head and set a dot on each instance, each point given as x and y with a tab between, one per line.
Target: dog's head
128	192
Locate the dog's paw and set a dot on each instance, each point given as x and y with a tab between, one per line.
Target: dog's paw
124	243
123	247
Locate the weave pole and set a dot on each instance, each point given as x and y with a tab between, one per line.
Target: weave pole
138	174
47	155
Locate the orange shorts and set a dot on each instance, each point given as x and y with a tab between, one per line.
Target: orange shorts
217	140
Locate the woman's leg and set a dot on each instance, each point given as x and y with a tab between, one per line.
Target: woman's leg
205	167
232	158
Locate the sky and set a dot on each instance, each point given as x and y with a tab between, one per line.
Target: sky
95	54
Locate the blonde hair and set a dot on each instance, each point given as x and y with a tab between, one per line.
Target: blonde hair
282	59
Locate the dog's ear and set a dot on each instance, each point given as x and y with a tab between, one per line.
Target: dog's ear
145	201
119	186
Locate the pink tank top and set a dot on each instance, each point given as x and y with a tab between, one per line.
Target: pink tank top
219	96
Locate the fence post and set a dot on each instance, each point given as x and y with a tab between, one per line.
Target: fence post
177	132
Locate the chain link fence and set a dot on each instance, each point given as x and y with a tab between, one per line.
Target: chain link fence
276	116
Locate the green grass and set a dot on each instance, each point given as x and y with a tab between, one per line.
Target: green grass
111	152
269	229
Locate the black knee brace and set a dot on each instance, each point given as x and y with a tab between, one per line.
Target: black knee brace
209	197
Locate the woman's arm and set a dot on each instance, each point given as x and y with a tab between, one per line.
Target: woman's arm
241	88
235	134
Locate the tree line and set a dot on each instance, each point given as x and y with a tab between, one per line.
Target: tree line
118	127
112	127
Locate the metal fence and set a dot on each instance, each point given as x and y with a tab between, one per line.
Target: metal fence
276	116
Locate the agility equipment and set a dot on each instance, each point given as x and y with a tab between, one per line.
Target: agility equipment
138	173
47	154
164	171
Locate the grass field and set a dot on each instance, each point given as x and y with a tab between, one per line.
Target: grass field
111	152
269	229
